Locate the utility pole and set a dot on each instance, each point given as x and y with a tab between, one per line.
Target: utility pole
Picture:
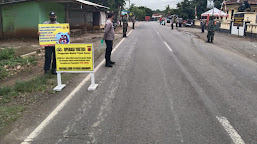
129	3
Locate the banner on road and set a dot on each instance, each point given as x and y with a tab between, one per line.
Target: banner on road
74	57
51	34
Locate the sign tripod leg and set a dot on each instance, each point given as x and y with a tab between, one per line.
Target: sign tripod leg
60	86
93	86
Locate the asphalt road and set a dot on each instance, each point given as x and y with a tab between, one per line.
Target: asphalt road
168	87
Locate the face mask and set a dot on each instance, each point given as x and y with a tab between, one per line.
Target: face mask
53	19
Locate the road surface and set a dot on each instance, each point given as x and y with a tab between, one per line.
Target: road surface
168	87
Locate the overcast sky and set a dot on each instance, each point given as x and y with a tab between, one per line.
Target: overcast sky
155	4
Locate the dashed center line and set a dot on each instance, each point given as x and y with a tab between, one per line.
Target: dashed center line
236	138
168	46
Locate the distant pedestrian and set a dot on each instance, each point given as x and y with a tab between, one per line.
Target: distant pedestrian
211	30
125	26
133	21
177	21
50	50
121	21
171	21
160	21
108	38
202	25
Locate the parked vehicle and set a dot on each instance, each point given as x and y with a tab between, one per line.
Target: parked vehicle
147	18
168	20
188	23
163	22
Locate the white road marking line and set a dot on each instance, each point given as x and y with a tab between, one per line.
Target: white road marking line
230	130
55	112
157	32
168	47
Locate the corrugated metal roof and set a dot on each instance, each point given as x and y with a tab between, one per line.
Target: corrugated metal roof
91	3
81	1
240	1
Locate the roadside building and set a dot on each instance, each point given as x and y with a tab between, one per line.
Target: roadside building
21	18
157	16
249	27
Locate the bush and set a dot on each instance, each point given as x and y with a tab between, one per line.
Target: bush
3	72
7	53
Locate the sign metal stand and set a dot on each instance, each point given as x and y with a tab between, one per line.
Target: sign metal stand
61	86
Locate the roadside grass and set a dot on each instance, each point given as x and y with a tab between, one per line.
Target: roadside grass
8	114
9	62
16	98
37	84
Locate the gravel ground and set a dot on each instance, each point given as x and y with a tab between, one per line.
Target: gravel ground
240	45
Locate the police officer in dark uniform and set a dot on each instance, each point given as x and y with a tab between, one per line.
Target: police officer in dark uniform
125	26
50	50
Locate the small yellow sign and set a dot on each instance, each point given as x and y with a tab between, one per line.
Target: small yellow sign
51	34
74	57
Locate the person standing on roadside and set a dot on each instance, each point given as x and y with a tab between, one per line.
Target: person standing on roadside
202	25
108	38
211	30
50	50
171	21
125	25
133	21
176	21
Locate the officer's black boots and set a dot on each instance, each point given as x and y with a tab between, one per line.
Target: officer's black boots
46	71
111	62
54	71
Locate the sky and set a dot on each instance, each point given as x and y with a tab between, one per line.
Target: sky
155	4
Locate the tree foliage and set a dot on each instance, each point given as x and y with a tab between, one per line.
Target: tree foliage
140	12
186	8
114	5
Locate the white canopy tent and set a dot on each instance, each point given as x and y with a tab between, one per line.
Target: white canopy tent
216	12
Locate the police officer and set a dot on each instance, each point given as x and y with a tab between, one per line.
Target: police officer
109	37
202	25
50	50
211	30
125	25
133	21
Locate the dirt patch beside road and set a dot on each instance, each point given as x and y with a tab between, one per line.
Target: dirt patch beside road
241	45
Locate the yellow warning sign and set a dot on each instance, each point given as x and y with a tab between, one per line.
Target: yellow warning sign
51	34
74	57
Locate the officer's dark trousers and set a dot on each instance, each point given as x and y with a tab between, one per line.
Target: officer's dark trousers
171	26
202	29
49	54
109	44
133	26
125	29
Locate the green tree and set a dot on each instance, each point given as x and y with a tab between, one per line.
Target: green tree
114	5
167	10
140	12
186	8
